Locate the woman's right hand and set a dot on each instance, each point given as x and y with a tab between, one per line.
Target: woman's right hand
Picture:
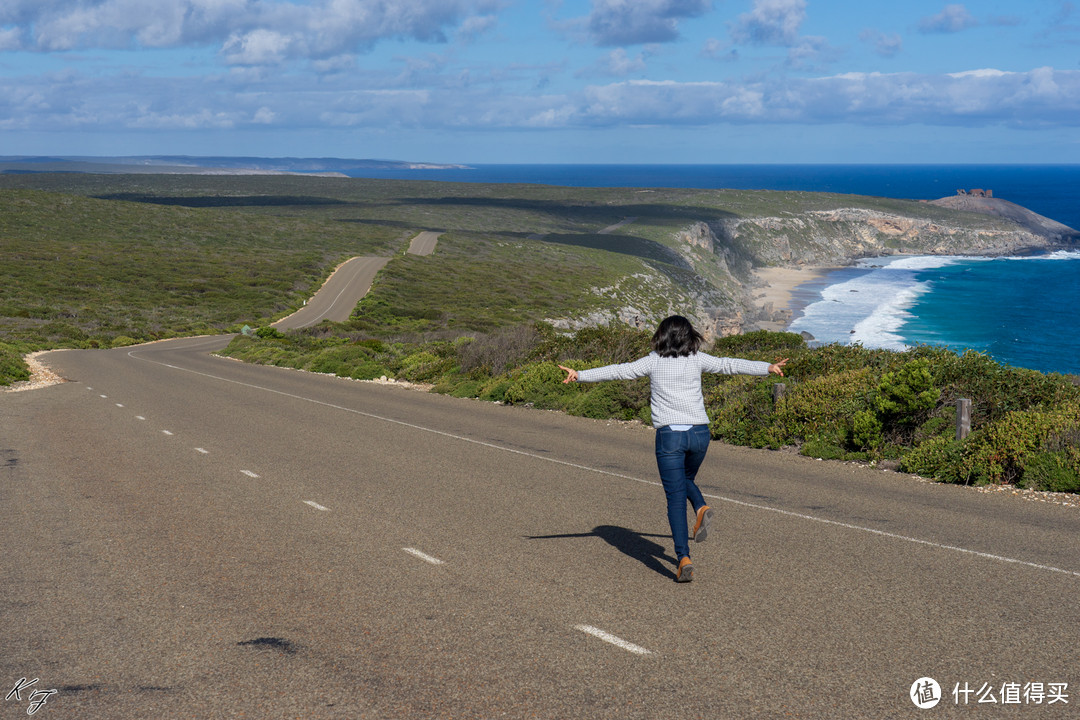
571	374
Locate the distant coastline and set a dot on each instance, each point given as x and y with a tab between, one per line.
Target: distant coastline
192	165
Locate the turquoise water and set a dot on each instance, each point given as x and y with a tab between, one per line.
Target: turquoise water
1020	311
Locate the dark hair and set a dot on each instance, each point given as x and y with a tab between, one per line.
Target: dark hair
676	337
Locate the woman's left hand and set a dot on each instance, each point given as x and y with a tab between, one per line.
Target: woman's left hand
777	368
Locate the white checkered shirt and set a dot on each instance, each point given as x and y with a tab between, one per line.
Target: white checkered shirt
675	382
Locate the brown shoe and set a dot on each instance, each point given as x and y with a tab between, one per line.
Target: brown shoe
701	527
686	571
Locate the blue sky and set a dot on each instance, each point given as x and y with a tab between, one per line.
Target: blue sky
560	81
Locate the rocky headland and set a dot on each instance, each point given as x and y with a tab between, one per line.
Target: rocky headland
767	257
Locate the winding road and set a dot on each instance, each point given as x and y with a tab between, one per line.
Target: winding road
190	536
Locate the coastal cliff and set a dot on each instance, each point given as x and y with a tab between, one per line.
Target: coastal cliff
846	234
743	245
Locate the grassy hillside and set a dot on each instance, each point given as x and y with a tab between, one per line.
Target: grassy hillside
82	272
97	260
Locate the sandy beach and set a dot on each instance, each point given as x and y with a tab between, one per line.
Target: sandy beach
780	289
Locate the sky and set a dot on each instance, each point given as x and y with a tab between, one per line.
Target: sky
545	81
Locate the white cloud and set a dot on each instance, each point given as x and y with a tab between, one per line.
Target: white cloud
617	63
770	22
264	116
10	39
885	45
317	28
258	47
952	19
476	26
251	97
719	50
634	22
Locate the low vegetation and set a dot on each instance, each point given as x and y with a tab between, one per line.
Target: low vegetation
105	261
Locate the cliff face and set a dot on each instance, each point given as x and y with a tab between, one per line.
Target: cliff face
988	226
839	236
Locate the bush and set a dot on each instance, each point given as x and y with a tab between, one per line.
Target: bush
424	366
367	370
620	400
940	458
906	393
760	343
541	385
826	403
12	366
1057	471
269	332
499	351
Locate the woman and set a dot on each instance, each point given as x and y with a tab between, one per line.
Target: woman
674	369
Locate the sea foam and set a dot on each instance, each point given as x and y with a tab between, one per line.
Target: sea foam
868	304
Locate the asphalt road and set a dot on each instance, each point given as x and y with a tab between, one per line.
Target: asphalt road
191	537
424	243
337	297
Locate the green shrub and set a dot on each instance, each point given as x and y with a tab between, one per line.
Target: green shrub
829	402
12	366
540	384
940	458
1000	450
622	400
495	391
866	431
824	447
123	341
424	366
269	332
742	411
759	343
907	394
1057	471
367	370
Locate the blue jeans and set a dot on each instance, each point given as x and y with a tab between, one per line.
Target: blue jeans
679	454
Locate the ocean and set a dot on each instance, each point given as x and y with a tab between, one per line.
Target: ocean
1020	311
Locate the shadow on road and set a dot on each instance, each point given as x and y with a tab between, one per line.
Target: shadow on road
628	542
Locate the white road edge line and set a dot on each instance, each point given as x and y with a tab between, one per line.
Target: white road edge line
616	641
424	556
565	463
316	505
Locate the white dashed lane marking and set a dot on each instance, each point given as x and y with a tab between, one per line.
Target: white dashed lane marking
316	505
423	556
616	641
249	473
139	417
166	432
202	451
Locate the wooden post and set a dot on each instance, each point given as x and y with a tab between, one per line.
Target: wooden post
778	391
963	418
